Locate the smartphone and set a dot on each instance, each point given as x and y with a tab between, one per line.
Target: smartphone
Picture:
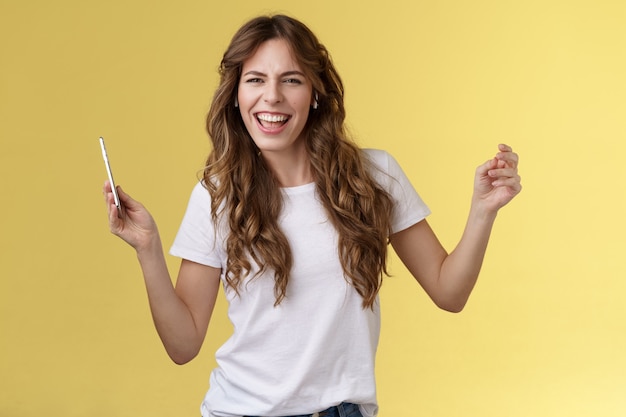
110	174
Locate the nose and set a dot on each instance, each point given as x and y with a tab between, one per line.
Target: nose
272	93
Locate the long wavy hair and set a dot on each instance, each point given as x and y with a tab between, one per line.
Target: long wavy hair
243	188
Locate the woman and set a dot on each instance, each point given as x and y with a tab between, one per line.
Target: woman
295	220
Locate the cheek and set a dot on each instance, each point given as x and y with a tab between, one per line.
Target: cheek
303	103
245	98
248	120
244	110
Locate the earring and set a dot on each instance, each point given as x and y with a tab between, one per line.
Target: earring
315	104
236	102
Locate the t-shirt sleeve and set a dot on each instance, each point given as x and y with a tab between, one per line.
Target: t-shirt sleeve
197	239
408	206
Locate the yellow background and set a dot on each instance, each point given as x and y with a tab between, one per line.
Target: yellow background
437	83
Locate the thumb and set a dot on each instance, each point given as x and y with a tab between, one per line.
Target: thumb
483	169
128	202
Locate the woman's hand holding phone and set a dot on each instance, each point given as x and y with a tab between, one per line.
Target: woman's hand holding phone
128	218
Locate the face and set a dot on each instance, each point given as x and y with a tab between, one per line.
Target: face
274	98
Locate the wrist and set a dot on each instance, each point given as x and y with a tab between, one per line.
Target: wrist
148	249
482	212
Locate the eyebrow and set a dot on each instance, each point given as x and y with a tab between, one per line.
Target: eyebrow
284	74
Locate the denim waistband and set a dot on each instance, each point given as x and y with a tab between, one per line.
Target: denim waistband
341	410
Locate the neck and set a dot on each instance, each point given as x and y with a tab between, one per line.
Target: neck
290	170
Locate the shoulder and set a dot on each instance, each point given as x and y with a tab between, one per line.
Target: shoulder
378	157
383	165
409	208
199	202
200	194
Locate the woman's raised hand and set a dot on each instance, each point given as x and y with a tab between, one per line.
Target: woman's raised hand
497	180
133	223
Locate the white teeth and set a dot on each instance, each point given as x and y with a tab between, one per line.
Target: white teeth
272	118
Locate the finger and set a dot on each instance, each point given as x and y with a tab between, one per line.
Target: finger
510	159
115	220
106	192
485	167
511	182
507	156
106	189
126	200
502	147
502	173
110	199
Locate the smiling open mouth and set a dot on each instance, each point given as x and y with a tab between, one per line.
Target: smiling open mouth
272	121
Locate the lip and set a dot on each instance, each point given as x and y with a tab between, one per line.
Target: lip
271	131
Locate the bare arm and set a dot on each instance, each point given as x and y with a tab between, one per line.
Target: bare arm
449	278
181	314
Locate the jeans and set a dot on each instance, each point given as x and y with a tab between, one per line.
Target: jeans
341	410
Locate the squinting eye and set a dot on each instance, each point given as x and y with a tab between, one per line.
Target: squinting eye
293	81
254	80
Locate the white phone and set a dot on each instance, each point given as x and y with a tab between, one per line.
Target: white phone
110	174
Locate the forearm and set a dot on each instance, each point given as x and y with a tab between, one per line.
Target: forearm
172	318
449	278
460	269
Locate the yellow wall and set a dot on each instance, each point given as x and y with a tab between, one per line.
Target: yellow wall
438	83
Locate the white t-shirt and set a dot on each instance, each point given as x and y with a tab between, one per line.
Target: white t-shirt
315	349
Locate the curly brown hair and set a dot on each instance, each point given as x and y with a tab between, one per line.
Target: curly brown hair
243	188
